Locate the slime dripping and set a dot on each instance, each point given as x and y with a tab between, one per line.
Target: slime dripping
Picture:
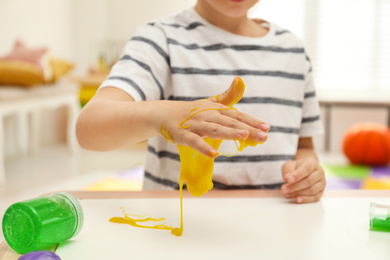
196	169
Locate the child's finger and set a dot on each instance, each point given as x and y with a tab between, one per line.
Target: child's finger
227	118
308	191
287	168
309	199
246	119
217	131
303	184
231	123
232	95
196	142
302	170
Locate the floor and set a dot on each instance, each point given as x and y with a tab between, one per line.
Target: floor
56	168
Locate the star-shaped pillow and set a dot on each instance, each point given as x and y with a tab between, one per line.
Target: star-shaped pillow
22	53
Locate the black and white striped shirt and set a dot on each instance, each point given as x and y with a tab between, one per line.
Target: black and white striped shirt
184	57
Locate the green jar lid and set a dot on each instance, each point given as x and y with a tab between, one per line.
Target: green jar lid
78	209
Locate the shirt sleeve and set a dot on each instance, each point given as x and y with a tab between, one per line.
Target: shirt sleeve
311	119
143	68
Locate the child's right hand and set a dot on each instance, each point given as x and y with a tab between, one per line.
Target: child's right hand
218	121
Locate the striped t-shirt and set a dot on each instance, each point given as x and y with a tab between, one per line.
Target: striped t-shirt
184	57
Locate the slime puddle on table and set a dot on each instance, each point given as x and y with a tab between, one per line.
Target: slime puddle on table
133	218
196	169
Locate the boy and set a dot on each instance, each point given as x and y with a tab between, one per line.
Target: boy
175	63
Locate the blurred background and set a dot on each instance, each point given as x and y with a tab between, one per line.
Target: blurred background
77	41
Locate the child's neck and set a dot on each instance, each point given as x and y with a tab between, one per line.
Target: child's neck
241	25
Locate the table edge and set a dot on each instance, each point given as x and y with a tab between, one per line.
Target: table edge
152	194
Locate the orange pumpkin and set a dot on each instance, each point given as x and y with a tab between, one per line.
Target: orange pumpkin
367	143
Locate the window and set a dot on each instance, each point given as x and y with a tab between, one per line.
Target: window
348	40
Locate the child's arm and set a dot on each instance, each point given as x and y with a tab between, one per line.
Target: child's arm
112	120
304	176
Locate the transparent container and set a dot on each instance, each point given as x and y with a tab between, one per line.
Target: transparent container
42	222
379	216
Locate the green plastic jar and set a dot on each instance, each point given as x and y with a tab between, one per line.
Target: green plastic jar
379	216
42	222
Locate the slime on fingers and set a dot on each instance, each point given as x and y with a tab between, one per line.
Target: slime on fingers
166	134
196	169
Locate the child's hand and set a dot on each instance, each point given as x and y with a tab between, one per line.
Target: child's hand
305	180
217	121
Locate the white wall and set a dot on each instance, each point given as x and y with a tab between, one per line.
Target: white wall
39	23
72	29
99	20
125	15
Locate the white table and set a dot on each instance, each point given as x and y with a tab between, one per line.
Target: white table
26	104
229	225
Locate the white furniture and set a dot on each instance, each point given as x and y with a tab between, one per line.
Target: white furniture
26	105
334	99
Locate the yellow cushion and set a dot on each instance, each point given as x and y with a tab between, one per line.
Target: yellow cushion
59	68
20	73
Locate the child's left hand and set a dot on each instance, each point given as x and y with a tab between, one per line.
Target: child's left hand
305	180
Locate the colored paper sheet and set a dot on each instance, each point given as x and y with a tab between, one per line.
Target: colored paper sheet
341	184
381	172
372	183
128	180
351	172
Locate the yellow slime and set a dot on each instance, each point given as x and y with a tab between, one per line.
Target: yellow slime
133	219
196	169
